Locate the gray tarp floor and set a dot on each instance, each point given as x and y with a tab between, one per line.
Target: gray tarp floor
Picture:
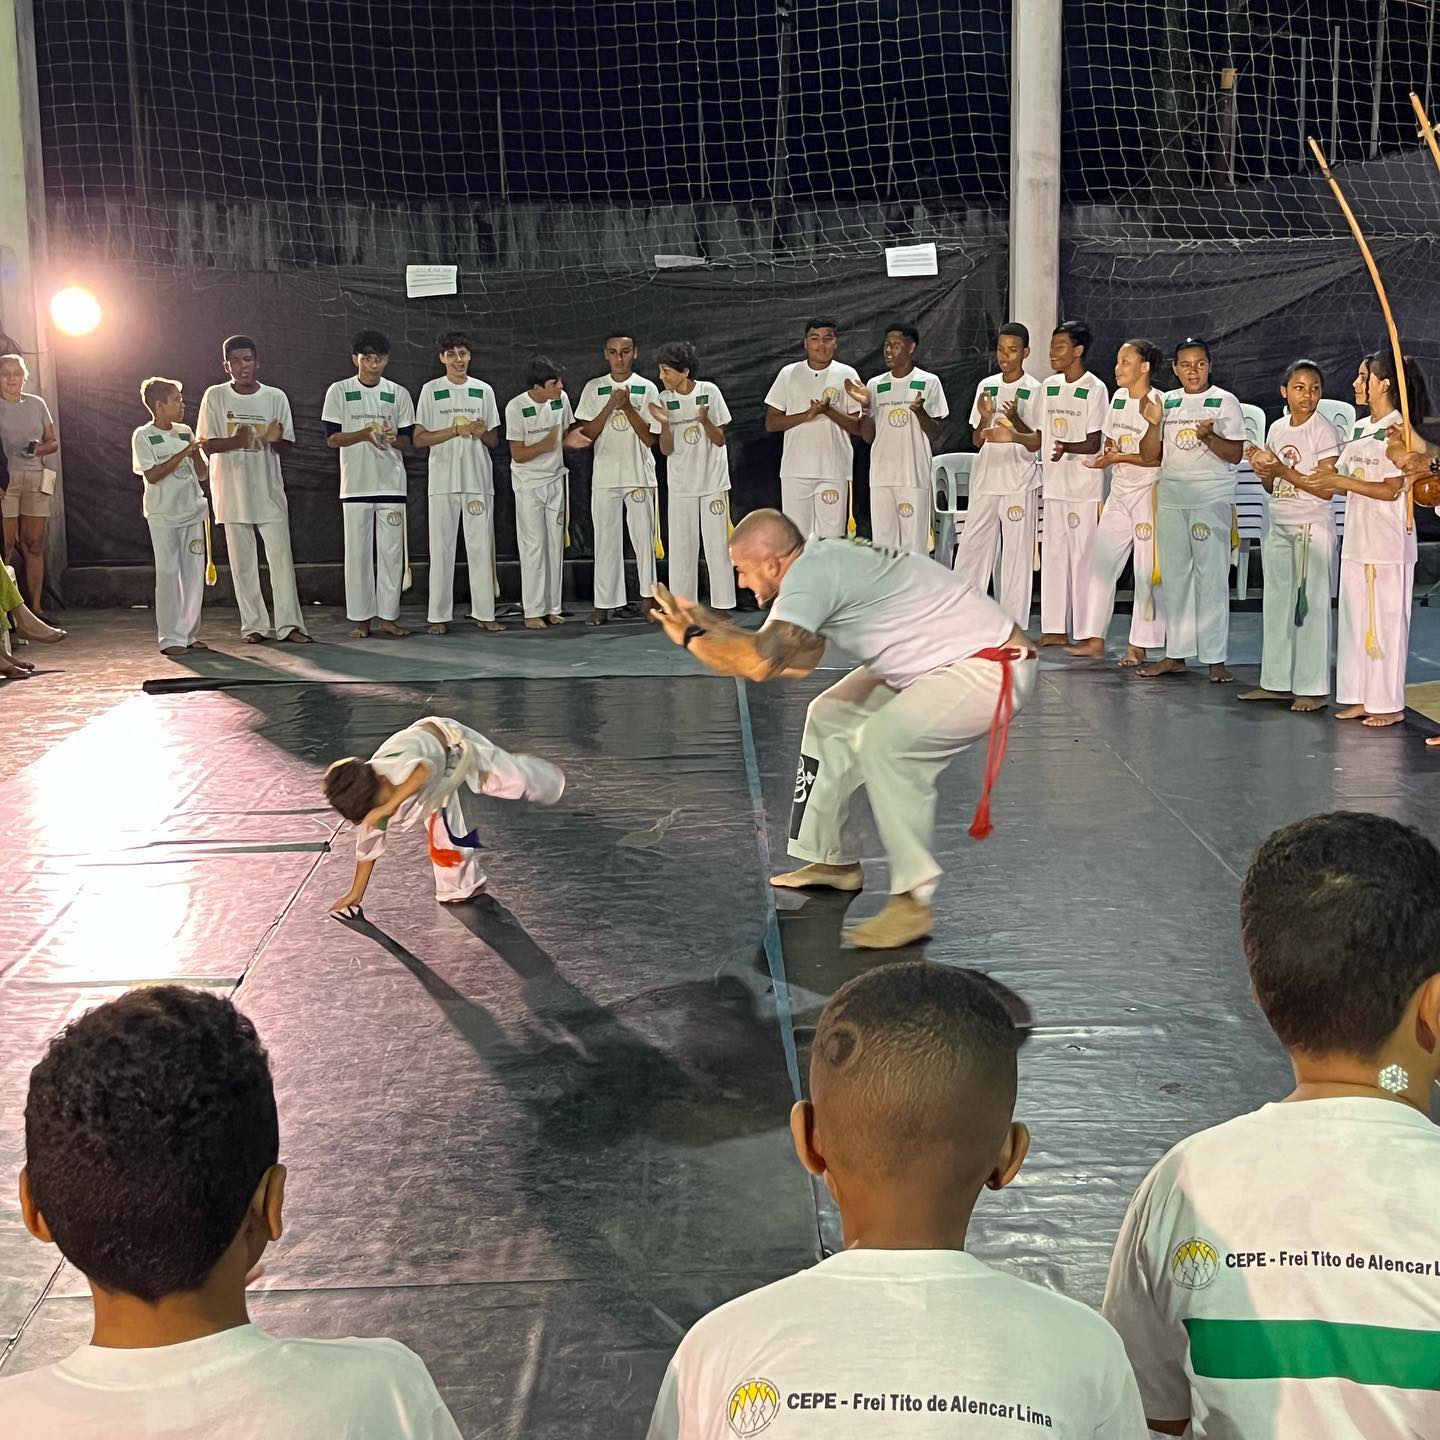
536	1136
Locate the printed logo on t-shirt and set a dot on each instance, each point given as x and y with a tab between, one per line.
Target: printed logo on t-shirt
1059	426
1195	1263
1143	531
1291	455
830	395
618	421
1125	443
692	434
1200	531
752	1405
1015	513
830	497
475	507
1186	438
717	507
899	416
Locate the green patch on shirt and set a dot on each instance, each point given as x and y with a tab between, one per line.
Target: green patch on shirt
994	390
917	384
703	400
1118	403
160	439
1315	1350
477	392
1019	394
528	412
1082	394
352	394
1173	404
1213	403
554	404
637	389
672	404
604	389
1052	389
882	387
388	399
442	394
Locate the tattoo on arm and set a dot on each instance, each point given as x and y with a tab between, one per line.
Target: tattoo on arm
785	647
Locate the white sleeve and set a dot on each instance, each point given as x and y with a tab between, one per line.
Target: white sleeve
1095	413
848	404
807	597
777	397
590	403
140	460
719	410
567	415
1124	1417
515	420
1035	406
1270	434
1155	1345
209	424
649	398
489	412
286	419
1329	443
935	404
334	408
426	411
404	408
665	1419
975	405
1231	424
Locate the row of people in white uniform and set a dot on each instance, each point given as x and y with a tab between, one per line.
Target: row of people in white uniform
245	427
1172	459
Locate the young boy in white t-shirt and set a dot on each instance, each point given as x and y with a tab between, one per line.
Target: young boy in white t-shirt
614	415
535	424
1299	547
171	461
912	1084
458	424
809	405
151	1160
1275	1277
902	413
370	420
693	416
1004	495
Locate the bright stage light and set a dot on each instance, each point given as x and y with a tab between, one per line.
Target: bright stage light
75	311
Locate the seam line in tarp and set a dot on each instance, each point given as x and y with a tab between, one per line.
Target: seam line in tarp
774	956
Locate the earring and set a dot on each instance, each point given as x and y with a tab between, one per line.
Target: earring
1394	1079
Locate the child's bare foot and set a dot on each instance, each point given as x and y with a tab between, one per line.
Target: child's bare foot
1263	694
1049	639
1219	675
1087	649
14	670
1433	741
1377	722
173	650
554	619
299	637
534	622
1134	655
198	645
254	638
361	631
1304	704
493	626
1167	666
438	628
598	617
827	877
1351	712
389	627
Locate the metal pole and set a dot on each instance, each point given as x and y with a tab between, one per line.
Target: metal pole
779	172
1376	79
1035	123
1304	86
1335	93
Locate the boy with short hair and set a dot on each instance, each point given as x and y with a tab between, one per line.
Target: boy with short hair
433	771
1197	435
809	404
535	424
697	475
614	414
1299	547
458	423
151	1149
171	461
1072	418
912	1084
902	410
1005	479
1274	1278
246	427
369	420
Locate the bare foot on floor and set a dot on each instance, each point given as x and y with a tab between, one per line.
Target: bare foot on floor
1351	712
1219	675
1262	694
554	619
299	637
534	622
1433	741
361	631
1166	666
1304	704
493	626
389	627
1132	657
1047	640
1087	649
1378	722
438	628
826	877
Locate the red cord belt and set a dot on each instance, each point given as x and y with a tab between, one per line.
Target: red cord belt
1005	656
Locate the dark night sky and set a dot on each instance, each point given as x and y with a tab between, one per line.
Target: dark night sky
602	102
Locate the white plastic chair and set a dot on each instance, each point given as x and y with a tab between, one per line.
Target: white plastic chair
949	497
1252	519
1341	414
1255	426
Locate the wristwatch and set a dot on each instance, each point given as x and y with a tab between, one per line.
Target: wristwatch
692	632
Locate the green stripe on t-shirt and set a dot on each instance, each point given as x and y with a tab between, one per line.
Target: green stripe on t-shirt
1314	1350
604	389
